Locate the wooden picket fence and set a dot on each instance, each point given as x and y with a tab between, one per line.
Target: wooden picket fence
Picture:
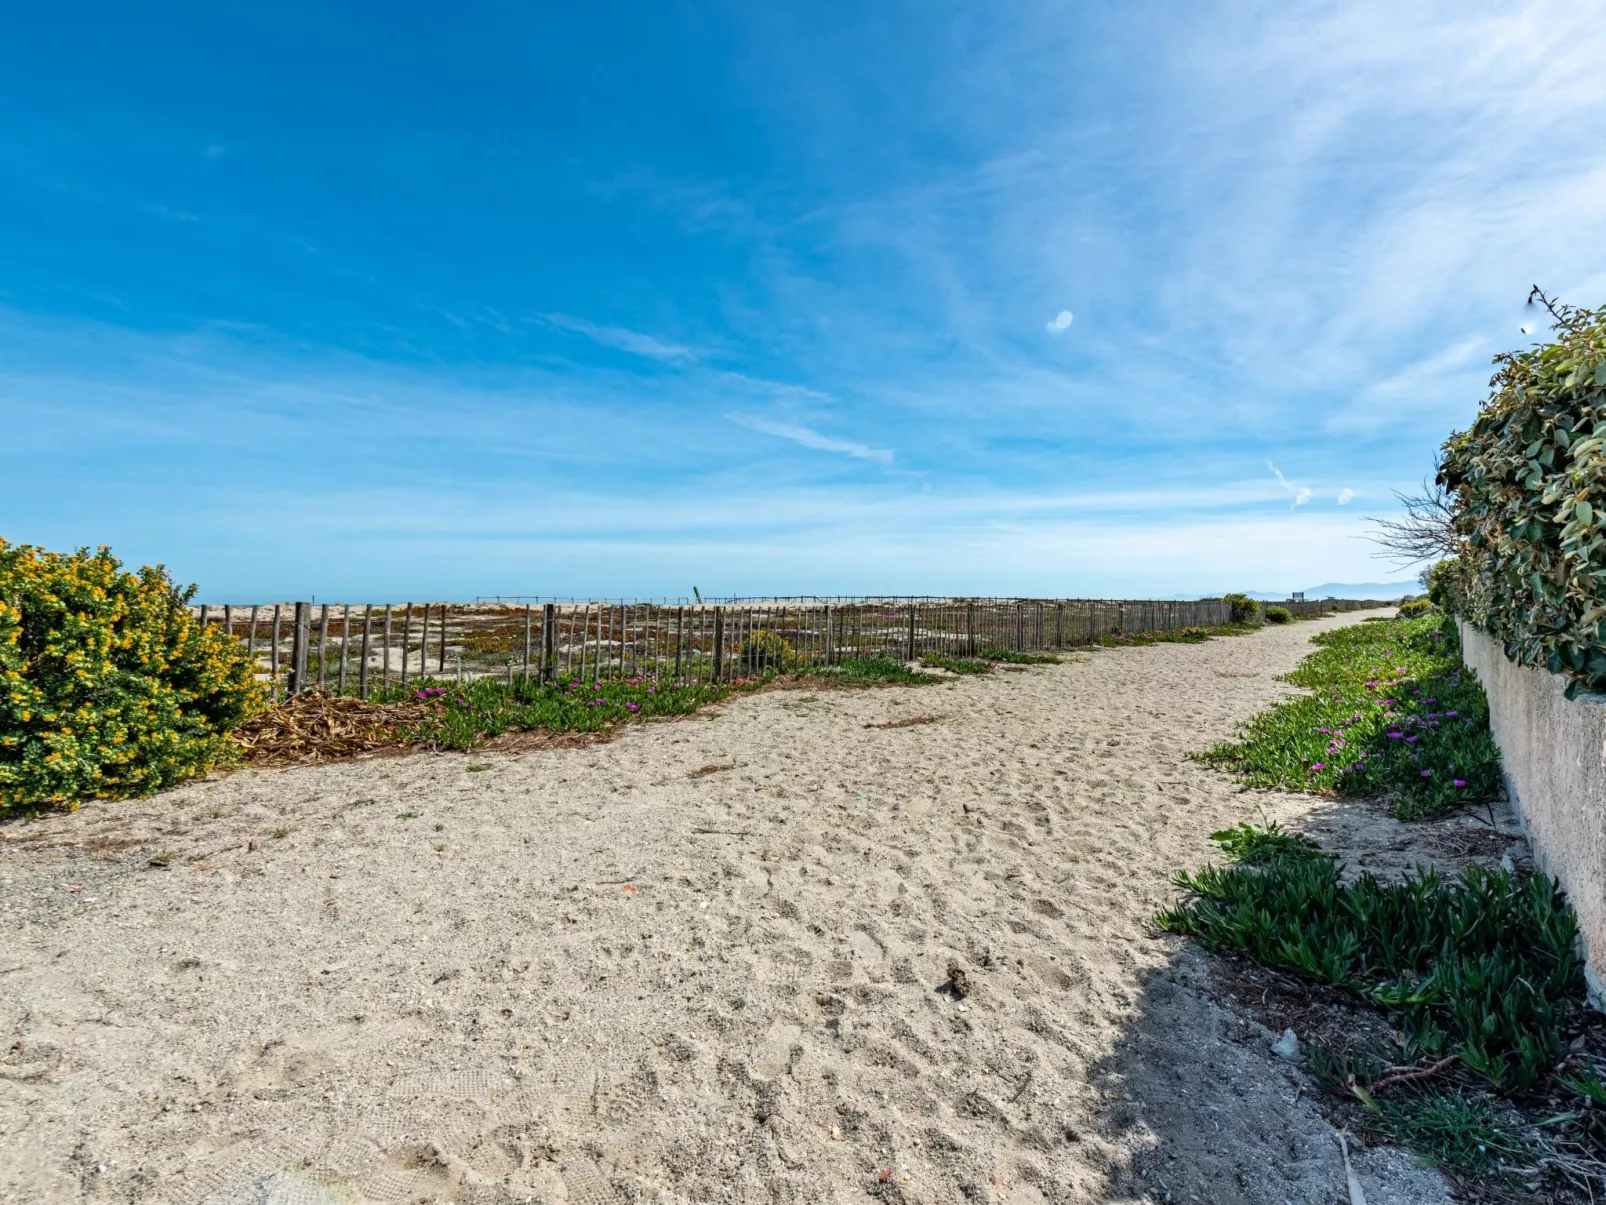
363	648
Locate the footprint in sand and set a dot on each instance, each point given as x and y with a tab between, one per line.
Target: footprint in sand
773	1058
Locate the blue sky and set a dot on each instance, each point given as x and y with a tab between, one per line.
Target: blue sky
395	300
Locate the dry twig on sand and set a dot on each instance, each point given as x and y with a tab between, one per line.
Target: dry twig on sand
907	722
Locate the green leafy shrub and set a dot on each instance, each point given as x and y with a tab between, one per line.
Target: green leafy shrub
1392	711
1444	585
1278	615
1529	480
768	652
1415	608
1244	608
111	688
1482	966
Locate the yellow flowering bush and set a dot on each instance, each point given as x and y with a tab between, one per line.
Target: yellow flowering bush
108	685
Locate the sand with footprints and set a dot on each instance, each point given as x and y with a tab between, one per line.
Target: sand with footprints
812	946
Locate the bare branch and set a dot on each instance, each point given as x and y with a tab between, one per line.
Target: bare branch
1425	532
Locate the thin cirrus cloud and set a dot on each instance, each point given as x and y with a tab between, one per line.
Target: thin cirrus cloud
1286	222
813	439
175	215
623	339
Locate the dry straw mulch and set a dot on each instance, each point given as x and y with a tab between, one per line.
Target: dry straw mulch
317	726
321	727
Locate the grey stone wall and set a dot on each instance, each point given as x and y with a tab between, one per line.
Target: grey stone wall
1553	752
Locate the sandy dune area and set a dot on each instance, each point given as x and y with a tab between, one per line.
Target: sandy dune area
817	946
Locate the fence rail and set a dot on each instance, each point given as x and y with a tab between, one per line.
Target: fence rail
361	648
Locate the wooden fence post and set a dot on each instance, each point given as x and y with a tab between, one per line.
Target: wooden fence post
549	640
441	664
1059	625
1020	627
407	639
913	611
680	640
830	637
274	658
323	645
719	644
345	640
367	631
299	639
528	616
423	647
251	642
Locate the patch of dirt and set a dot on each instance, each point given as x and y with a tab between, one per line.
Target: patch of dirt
1316	1012
526	740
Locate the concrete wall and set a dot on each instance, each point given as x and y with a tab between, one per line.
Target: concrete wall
1553	752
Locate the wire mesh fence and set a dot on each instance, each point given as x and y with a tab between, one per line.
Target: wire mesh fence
368	648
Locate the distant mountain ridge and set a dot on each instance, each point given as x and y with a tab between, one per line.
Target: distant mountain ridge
1378	590
1382	591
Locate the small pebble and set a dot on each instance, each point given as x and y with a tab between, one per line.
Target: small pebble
1287	1046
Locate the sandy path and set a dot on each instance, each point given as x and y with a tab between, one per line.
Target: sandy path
583	975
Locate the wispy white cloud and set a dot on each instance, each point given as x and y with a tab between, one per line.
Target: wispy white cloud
1301	494
784	390
1061	322
623	339
809	438
1440	383
1346	496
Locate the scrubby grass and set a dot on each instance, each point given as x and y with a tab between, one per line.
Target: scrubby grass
1253	846
1015	657
1393	712
1481	966
1191	635
1479	975
869	672
957	665
1467	1133
467	715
